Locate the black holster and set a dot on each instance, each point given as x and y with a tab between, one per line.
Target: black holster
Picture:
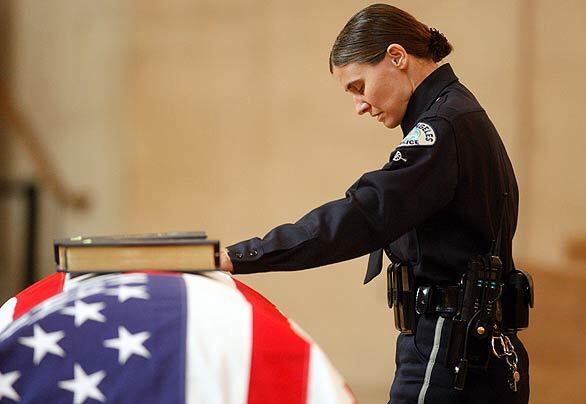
490	301
517	298
478	311
401	296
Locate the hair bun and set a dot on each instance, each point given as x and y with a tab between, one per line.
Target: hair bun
439	47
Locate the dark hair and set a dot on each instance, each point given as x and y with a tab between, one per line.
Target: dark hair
366	36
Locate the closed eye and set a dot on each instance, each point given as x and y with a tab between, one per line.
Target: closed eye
356	87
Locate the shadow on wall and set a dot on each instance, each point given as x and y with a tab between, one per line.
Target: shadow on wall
5	34
5	52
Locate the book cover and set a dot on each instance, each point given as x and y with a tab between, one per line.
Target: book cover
174	251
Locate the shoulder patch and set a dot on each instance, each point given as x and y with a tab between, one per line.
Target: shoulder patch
421	135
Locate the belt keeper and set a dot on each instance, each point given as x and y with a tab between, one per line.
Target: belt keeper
423	299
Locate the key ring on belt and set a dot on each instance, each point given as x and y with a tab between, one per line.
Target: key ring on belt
508	350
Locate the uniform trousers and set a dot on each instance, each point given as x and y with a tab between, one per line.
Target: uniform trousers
422	376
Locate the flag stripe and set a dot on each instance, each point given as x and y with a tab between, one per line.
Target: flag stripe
38	292
218	342
7	313
326	386
280	358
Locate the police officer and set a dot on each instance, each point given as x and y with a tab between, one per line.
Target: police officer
447	194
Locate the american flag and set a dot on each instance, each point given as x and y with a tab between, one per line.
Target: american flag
157	338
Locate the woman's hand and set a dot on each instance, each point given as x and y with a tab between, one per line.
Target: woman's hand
225	261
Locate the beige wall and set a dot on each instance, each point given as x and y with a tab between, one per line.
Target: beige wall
223	117
557	192
239	126
68	64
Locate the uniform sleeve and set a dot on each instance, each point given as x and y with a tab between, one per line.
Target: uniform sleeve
419	180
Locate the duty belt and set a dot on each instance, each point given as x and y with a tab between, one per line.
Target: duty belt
437	299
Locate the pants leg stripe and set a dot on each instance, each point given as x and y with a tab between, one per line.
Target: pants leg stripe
436	345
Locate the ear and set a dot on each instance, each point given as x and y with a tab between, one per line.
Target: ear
398	55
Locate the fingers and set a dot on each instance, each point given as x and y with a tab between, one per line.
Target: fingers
225	261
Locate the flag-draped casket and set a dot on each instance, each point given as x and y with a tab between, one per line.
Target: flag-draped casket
157	338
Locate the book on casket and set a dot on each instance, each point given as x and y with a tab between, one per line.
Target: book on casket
173	251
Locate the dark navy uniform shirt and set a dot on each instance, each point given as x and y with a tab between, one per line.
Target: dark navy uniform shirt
438	202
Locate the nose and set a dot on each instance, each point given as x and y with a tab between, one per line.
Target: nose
360	105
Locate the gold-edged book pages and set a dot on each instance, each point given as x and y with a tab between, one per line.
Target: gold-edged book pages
160	252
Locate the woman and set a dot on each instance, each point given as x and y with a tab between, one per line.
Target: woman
447	195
